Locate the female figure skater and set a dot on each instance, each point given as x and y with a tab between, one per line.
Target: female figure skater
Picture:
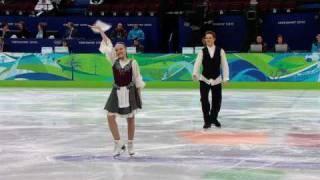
125	97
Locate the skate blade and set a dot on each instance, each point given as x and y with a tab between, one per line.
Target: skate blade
116	156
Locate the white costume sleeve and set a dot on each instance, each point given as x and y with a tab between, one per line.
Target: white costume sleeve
137	78
224	65
198	63
107	49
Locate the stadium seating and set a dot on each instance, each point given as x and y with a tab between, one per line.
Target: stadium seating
142	7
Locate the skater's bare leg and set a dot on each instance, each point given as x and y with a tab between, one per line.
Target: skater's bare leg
113	126
131	128
118	146
131	131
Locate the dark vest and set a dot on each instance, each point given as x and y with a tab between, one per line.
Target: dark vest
211	66
122	76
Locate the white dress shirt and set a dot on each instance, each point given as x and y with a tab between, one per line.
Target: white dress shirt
224	67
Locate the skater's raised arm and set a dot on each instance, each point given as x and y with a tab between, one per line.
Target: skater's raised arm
106	46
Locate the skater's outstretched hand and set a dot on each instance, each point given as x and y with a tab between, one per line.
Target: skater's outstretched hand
105	38
95	28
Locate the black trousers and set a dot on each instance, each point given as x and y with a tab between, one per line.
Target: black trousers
210	114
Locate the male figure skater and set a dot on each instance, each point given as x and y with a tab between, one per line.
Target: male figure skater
213	59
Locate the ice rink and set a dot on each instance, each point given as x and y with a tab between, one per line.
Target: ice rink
61	134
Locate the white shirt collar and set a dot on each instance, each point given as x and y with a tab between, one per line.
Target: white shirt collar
212	47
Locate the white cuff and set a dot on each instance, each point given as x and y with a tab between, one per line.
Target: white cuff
140	83
105	48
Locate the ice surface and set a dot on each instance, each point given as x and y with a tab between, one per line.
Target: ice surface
62	134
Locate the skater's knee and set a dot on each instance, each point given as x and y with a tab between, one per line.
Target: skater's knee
111	116
130	120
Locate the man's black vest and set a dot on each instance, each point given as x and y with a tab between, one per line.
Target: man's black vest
211	66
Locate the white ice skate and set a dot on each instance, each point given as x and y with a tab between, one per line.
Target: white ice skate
119	148
130	148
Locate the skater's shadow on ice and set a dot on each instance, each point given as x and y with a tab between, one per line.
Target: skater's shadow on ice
136	159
